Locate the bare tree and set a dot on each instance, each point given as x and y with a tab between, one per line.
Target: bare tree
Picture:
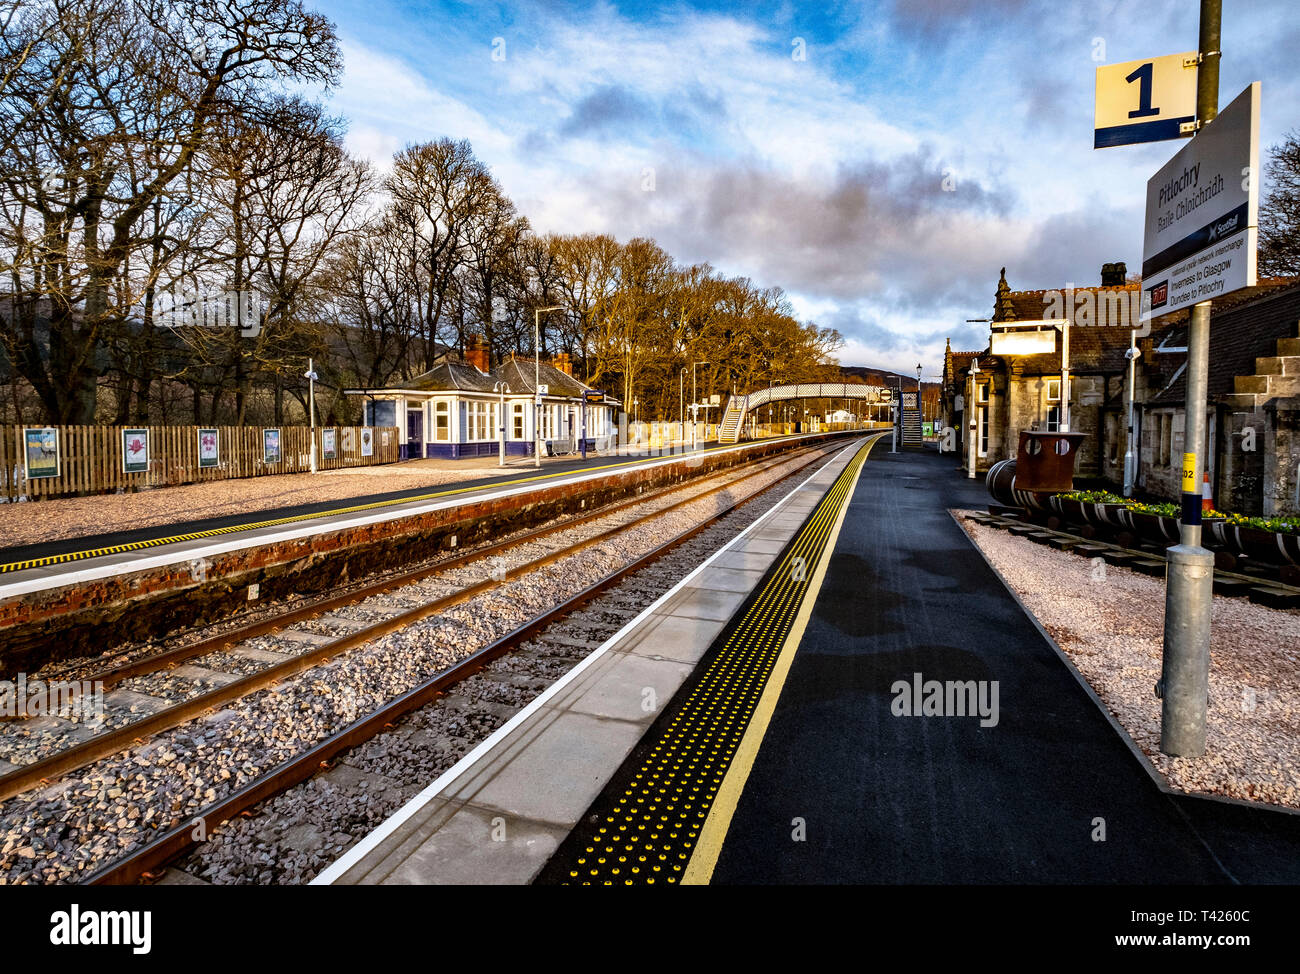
1279	211
82	166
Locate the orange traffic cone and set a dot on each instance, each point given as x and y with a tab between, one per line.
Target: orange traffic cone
1207	494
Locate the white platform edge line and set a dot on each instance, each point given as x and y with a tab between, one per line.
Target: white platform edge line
390	825
175	556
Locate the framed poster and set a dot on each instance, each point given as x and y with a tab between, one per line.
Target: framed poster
135	451
367	441
349	440
270	446
329	443
41	452
209	448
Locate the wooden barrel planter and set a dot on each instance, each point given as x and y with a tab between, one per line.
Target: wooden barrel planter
1105	515
1271	547
1156	528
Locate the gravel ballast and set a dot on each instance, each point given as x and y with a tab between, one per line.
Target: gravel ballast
1110	622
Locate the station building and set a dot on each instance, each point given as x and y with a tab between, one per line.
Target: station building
456	409
1254	385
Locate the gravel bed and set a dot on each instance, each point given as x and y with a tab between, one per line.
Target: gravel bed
1110	621
75	825
308	827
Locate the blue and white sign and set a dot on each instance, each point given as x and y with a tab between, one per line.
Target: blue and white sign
1203	212
1145	101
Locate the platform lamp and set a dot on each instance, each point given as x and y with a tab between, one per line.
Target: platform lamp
695	402
537	379
311	378
971	416
500	389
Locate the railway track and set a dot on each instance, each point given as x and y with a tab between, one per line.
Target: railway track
308	623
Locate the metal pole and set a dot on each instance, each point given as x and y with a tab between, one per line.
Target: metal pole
537	383
1064	424
501	430
1130	457
311	395
1185	674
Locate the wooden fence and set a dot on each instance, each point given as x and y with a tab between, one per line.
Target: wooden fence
105	459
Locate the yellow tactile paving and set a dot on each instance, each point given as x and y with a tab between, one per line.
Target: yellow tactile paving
647	833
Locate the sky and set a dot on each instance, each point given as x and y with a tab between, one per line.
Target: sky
879	162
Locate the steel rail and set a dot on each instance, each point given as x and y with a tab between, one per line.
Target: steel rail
102	745
143	863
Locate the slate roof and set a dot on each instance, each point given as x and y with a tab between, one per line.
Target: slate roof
516	373
1240	332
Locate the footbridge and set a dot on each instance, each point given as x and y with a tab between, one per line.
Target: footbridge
733	419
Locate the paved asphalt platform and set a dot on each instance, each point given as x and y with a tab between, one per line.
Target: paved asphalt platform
843	791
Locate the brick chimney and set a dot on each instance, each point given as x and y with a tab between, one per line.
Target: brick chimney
476	352
1112	275
563	363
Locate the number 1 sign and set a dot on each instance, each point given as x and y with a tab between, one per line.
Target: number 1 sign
1145	101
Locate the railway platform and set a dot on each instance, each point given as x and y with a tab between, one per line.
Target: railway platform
781	745
499	815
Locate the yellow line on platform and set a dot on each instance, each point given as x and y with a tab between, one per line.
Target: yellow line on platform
699	871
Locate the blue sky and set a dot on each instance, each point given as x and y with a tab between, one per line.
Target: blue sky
882	181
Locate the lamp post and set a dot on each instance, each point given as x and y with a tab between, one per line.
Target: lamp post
695	403
920	411
500	388
537	379
972	420
681	402
311	378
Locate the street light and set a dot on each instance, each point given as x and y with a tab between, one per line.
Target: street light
537	379
695	403
971	418
920	410
500	388
311	378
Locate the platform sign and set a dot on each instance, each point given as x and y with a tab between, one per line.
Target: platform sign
1203	212
41	453
1029	342
209	448
594	395
329	443
1145	101
135	450
271	446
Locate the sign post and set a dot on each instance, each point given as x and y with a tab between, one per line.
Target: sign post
1202	243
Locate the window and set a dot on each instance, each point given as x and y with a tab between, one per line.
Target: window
1112	438
982	400
441	422
1166	430
1054	419
481	417
518	432
1053	390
